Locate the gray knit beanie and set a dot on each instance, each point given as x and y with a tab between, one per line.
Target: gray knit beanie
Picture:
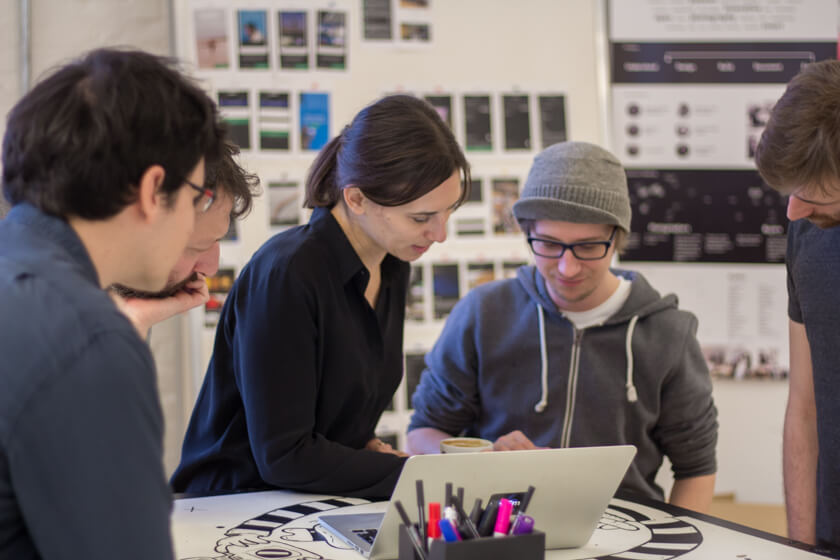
575	182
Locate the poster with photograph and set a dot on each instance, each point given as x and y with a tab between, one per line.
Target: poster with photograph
314	120
211	38
553	128
332	40
505	195
253	39
477	127
476	195
415	32
509	268
416	299
445	290
738	362
219	286
293	40
414	365
414	21
236	112
443	106
479	273
275	121
377	20
517	121
470	226
284	203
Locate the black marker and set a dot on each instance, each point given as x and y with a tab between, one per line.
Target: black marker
527	499
475	514
523	505
421	511
488	519
465	518
413	536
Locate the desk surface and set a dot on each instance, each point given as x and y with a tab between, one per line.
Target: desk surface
279	524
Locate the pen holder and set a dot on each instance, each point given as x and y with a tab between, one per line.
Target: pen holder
521	547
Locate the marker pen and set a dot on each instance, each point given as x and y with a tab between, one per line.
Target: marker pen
450	534
488	518
449	511
524	504
475	514
433	527
523	525
421	511
413	534
503	518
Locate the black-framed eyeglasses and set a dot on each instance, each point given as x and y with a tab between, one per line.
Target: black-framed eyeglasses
207	196
584	251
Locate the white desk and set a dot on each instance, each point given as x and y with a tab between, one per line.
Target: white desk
279	524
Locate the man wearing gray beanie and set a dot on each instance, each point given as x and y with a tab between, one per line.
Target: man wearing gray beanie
571	352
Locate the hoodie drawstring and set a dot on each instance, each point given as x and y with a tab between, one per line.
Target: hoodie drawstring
540	406
632	394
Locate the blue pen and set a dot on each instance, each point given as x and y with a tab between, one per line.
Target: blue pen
448	531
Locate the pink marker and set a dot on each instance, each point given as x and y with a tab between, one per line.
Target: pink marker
503	518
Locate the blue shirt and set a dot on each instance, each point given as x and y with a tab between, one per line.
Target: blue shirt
302	368
813	265
81	474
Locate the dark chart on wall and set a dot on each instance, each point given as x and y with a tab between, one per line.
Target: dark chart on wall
693	215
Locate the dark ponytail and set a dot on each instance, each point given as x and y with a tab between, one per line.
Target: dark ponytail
321	186
395	151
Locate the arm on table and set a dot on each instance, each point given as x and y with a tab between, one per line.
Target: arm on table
694	493
800	441
425	441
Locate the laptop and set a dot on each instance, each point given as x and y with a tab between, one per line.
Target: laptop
573	488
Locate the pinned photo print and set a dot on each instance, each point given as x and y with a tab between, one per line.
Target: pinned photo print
253	41
332	40
211	38
294	42
284	202
505	195
445	289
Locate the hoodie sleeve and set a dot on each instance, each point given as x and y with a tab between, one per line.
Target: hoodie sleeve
687	428
447	397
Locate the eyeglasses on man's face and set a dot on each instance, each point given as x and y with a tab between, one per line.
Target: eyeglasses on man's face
204	200
584	251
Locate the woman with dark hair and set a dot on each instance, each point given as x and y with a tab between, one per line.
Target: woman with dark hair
308	349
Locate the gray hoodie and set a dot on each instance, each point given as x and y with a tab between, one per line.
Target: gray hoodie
507	360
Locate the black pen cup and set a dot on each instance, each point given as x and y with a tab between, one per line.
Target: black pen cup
520	547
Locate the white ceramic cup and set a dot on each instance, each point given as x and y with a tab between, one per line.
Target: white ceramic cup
465	445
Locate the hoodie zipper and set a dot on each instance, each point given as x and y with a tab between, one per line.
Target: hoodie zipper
571	389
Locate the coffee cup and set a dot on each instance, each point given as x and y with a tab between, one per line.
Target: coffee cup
465	445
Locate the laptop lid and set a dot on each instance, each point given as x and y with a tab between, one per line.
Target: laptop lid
573	488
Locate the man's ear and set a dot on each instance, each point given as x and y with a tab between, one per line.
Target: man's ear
354	198
150	199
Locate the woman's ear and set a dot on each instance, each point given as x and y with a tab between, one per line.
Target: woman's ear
354	198
150	199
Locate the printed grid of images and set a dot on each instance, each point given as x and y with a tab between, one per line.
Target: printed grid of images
256	46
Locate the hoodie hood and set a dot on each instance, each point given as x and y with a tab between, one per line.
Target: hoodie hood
642	301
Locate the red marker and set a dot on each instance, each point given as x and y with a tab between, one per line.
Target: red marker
434	517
